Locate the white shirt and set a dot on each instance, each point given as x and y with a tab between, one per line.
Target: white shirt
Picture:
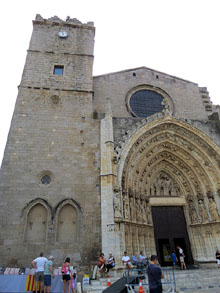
180	251
126	258
40	262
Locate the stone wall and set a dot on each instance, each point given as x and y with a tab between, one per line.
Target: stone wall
187	98
50	172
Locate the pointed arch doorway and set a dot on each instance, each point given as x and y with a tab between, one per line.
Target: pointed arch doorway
170	230
169	163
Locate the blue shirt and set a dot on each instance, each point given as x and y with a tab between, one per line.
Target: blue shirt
174	257
134	259
154	275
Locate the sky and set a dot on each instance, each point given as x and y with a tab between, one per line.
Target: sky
177	37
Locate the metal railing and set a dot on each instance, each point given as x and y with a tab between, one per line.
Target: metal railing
133	276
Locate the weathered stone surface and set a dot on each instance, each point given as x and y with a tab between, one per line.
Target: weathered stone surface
80	173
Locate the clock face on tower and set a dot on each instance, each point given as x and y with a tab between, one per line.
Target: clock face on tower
62	34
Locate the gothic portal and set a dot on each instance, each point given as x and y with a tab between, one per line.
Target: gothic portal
121	161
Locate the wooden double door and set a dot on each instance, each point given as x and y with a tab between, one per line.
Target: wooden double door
170	230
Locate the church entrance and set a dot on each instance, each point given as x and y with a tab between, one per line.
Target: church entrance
170	230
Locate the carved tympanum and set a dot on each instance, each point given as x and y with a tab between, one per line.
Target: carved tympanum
164	185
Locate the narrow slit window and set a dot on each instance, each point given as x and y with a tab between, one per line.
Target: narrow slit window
58	70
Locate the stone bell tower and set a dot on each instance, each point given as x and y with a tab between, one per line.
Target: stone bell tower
50	177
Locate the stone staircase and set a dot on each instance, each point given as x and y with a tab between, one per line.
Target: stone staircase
201	280
188	281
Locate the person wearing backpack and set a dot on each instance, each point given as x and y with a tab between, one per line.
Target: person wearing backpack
66	275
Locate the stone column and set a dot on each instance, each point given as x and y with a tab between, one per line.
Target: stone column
110	229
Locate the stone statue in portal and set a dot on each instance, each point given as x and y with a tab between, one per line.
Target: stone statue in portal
126	207
203	212
117	206
213	210
193	213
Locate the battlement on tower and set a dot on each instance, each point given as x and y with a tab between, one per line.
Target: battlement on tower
69	22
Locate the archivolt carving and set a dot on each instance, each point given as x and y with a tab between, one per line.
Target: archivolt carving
170	159
184	160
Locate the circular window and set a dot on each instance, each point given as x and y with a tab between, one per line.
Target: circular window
144	103
55	100
46	179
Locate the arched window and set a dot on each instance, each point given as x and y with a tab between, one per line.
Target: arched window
67	224
36	225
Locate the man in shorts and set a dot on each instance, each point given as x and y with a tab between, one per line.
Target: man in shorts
39	263
126	260
48	272
181	256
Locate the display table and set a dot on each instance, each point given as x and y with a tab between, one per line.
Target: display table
17	283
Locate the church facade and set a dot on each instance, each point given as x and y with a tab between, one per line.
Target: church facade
126	161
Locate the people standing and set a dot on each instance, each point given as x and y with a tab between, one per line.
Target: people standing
174	260
39	263
48	273
66	275
217	255
181	256
126	260
110	262
155	275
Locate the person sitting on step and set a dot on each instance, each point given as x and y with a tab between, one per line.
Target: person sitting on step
110	262
102	263
126	260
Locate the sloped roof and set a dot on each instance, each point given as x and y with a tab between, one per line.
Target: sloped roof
143	68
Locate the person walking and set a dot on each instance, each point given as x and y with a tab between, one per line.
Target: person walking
48	273
38	263
66	275
155	275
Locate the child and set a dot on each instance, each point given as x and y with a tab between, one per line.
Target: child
73	282
174	259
